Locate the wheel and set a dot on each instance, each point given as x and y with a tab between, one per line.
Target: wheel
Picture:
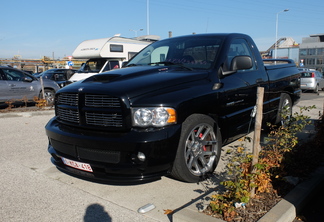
49	96
199	149
284	110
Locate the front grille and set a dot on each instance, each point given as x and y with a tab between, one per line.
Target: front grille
90	110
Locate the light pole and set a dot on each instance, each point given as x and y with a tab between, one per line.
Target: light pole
136	31
148	17
276	42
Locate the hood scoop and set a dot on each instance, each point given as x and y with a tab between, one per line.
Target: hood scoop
102	78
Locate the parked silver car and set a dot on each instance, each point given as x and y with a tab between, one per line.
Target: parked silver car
311	80
17	85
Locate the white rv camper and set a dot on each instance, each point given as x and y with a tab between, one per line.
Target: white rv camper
107	53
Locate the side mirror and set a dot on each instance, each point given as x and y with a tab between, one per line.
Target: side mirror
241	62
27	79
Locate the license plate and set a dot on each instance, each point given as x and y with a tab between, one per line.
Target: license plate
77	165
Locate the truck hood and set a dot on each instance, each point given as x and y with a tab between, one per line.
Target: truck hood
136	81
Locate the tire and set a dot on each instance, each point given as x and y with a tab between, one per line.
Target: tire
199	149
284	110
49	96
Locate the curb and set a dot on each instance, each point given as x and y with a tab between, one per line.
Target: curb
295	200
284	211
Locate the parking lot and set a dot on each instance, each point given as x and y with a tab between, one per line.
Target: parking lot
32	189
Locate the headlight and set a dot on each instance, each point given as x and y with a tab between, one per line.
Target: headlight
158	116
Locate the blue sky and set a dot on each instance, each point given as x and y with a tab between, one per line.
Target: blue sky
35	28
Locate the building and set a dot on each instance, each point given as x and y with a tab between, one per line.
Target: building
287	48
311	52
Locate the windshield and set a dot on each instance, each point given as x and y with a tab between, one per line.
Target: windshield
92	66
191	52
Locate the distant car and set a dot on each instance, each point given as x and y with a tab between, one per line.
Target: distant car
303	69
60	76
36	74
311	80
28	71
18	85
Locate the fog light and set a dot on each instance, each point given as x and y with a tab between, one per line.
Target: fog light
141	156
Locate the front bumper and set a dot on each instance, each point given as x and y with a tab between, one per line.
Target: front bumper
114	156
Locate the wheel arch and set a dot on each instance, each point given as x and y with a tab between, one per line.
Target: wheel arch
190	125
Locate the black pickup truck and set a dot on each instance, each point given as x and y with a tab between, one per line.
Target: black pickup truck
169	111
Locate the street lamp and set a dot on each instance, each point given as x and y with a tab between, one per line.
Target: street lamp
136	31
276	43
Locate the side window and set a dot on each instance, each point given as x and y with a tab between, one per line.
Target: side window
111	65
59	77
13	75
239	47
319	74
114	64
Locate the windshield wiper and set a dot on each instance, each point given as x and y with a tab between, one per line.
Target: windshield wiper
170	64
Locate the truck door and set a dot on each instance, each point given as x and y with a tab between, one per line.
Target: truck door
239	96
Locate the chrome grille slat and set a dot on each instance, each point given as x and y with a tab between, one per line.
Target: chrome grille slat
101	101
70	99
104	119
68	115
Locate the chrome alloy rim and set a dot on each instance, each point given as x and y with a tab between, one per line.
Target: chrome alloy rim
200	149
49	97
285	112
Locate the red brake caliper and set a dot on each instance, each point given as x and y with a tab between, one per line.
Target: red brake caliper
200	136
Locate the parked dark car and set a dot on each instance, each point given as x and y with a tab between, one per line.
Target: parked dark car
60	76
29	71
18	85
311	80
